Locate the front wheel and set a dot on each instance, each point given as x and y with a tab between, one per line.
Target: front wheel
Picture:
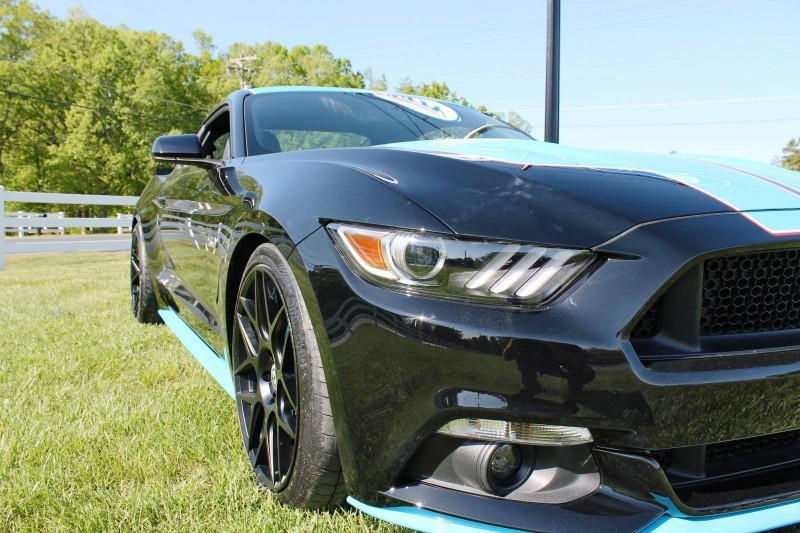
281	395
143	293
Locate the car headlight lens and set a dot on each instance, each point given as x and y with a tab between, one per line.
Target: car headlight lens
440	265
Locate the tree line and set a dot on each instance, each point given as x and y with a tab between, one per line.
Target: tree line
82	102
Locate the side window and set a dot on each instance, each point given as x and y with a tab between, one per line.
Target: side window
216	139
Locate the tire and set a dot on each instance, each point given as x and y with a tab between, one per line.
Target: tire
143	293
281	396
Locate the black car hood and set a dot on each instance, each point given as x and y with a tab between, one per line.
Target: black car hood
514	190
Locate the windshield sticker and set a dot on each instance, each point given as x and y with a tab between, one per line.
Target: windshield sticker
423	106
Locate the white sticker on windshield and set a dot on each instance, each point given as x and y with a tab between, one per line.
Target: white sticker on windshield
423	106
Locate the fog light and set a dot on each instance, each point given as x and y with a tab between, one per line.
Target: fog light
516	432
504	463
504	467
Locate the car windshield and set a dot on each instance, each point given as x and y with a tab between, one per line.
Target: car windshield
284	122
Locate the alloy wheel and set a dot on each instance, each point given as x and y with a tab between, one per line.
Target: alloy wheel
265	378
136	274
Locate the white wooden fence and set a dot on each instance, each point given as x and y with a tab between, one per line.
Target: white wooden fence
23	229
120	222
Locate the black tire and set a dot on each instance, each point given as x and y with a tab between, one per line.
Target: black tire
281	396
143	294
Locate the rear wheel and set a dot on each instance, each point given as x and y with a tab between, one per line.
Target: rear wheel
143	294
281	395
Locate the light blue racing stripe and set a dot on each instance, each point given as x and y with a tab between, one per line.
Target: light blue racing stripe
776	222
214	364
761	519
740	185
305	89
426	521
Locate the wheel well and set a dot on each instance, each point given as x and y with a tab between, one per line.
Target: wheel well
241	255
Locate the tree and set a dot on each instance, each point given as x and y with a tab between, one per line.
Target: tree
791	155
81	102
515	119
434	89
277	65
374	84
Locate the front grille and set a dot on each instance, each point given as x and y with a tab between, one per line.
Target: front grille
747	293
727	473
737	451
747	448
650	323
751	293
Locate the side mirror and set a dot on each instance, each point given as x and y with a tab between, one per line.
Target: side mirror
177	149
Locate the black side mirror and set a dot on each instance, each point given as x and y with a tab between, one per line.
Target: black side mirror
172	147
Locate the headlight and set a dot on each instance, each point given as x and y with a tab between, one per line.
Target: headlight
440	265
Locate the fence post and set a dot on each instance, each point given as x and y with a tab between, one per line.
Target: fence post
2	228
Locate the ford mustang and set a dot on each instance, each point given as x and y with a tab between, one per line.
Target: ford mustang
421	309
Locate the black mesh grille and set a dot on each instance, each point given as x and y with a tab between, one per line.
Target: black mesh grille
736	451
649	324
751	293
745	448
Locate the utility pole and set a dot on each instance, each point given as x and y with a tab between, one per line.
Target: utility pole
238	64
553	71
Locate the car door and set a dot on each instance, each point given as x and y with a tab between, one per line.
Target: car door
193	213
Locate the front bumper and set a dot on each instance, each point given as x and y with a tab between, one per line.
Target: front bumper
428	521
400	367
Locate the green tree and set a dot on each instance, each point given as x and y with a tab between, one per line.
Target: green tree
515	119
434	89
791	155
21	24
277	65
375	84
81	102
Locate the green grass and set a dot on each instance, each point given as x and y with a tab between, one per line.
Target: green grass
110	425
107	424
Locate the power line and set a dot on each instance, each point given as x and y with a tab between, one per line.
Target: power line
104	110
681	123
96	83
663	104
509	36
103	104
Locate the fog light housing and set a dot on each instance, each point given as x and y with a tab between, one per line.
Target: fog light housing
517	432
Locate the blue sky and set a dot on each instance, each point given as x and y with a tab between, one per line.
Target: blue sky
714	77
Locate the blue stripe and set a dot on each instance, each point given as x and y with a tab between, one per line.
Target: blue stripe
425	520
760	519
740	185
305	89
213	363
753	520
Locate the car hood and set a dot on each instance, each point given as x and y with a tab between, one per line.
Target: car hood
550	193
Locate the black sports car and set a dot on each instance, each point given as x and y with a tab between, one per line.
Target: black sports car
422	307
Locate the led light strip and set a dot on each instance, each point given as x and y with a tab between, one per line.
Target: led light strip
516	432
483	275
544	274
515	272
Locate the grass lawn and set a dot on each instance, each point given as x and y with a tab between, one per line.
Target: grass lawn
107	424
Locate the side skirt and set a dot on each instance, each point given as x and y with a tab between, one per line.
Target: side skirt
213	363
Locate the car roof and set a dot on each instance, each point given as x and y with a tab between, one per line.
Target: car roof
306	88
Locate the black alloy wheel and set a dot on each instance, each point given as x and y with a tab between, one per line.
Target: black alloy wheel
265	378
136	274
282	397
143	294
